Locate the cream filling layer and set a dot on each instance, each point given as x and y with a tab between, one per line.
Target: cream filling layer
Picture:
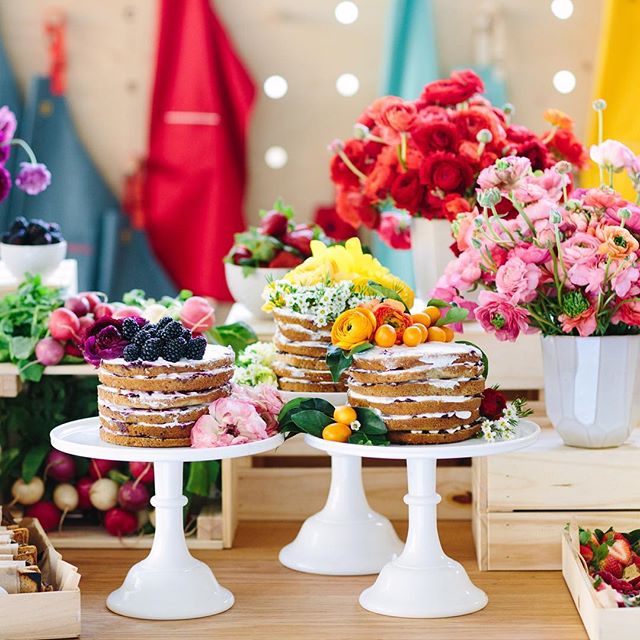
463	415
391	400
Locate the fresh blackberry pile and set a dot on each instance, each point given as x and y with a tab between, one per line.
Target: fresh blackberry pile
167	339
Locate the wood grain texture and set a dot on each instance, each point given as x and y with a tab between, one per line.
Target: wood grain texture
274	602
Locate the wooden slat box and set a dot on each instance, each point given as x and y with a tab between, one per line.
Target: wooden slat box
521	501
39	616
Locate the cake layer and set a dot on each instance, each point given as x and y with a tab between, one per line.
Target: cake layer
286	316
433	437
415	405
301	362
215	357
300	348
291	384
310	375
435	421
148	430
160	417
141	441
160	399
435	387
192	381
298	333
438	355
453	373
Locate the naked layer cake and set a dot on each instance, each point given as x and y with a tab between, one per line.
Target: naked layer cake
155	404
427	394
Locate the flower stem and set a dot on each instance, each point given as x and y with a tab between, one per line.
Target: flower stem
403	149
549	137
352	167
27	149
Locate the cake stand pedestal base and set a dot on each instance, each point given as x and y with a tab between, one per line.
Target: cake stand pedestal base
423	582
346	538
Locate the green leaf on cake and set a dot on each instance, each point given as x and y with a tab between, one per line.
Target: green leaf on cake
372	423
338	361
453	315
436	302
312	421
375	289
485	359
33	461
237	335
365	346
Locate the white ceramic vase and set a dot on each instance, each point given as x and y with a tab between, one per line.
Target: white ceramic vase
590	388
246	286
430	241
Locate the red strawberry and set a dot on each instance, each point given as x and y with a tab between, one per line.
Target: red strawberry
612	566
240	253
635	558
284	260
586	552
274	224
300	238
620	549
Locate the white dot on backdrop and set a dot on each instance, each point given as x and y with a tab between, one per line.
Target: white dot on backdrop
346	12
276	157
562	9
564	81
347	84
275	87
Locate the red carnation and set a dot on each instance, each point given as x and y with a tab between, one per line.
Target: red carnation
340	173
493	404
447	172
568	147
460	86
406	191
434	135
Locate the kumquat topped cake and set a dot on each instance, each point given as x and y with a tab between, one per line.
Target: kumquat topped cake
307	301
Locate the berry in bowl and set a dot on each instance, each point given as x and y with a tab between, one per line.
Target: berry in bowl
267	252
32	247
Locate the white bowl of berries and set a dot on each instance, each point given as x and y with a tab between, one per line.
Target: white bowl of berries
32	247
265	253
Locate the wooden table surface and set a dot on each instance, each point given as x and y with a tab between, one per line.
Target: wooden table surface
274	602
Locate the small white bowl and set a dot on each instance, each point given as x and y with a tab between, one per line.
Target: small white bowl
247	290
42	259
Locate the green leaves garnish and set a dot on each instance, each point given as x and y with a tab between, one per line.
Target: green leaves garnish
237	335
339	360
485	359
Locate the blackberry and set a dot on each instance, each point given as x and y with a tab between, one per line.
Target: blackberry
195	348
141	337
186	334
151	349
172	330
174	349
131	352
152	329
130	328
163	322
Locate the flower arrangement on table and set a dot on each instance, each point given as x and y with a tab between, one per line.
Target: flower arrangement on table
545	258
423	157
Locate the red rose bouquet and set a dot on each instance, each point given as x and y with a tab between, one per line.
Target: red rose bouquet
424	156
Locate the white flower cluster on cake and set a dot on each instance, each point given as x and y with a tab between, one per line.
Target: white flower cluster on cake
322	302
504	428
254	365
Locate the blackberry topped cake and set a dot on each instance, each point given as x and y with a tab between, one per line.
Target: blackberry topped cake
426	394
158	382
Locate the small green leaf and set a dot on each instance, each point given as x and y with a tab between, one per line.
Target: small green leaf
436	302
485	359
30	371
453	315
365	346
22	348
202	476
318	404
33	461
238	336
373	288
118	476
338	361
312	421
372	423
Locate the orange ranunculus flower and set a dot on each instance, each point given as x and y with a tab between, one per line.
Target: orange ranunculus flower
392	312
617	242
352	328
557	118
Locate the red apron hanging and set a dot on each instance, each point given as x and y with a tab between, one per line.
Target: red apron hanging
196	169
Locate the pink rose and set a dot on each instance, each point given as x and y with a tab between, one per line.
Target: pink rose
580	248
518	280
612	154
497	314
585	323
267	401
587	274
531	254
462	272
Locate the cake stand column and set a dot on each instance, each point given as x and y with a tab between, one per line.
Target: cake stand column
423	582
346	538
169	584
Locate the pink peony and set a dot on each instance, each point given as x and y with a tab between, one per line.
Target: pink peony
463	272
506	174
612	154
581	248
497	314
587	274
518	280
395	230
267	401
585	323
531	254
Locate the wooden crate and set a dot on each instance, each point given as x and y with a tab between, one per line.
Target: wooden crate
522	500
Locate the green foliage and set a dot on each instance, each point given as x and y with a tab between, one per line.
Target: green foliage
202	476
375	289
339	360
454	314
237	335
485	359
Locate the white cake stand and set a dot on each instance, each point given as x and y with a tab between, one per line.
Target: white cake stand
345	538
169	584
422	582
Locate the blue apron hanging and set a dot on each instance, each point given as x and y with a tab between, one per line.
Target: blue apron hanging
10	96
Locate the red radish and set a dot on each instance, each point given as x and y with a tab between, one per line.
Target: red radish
83	486
27	493
125	312
65	497
104	494
47	513
64	324
197	314
94	298
78	305
133	496
102	310
49	352
60	466
119	522
100	468
85	322
142	471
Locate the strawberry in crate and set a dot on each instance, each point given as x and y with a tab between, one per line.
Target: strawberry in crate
613	562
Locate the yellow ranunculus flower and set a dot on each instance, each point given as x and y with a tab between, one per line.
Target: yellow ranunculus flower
353	328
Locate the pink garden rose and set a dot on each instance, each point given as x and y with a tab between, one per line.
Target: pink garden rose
581	248
530	253
267	401
518	280
463	272
497	314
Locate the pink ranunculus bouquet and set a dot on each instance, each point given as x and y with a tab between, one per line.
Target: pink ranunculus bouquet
247	415
424	156
546	260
